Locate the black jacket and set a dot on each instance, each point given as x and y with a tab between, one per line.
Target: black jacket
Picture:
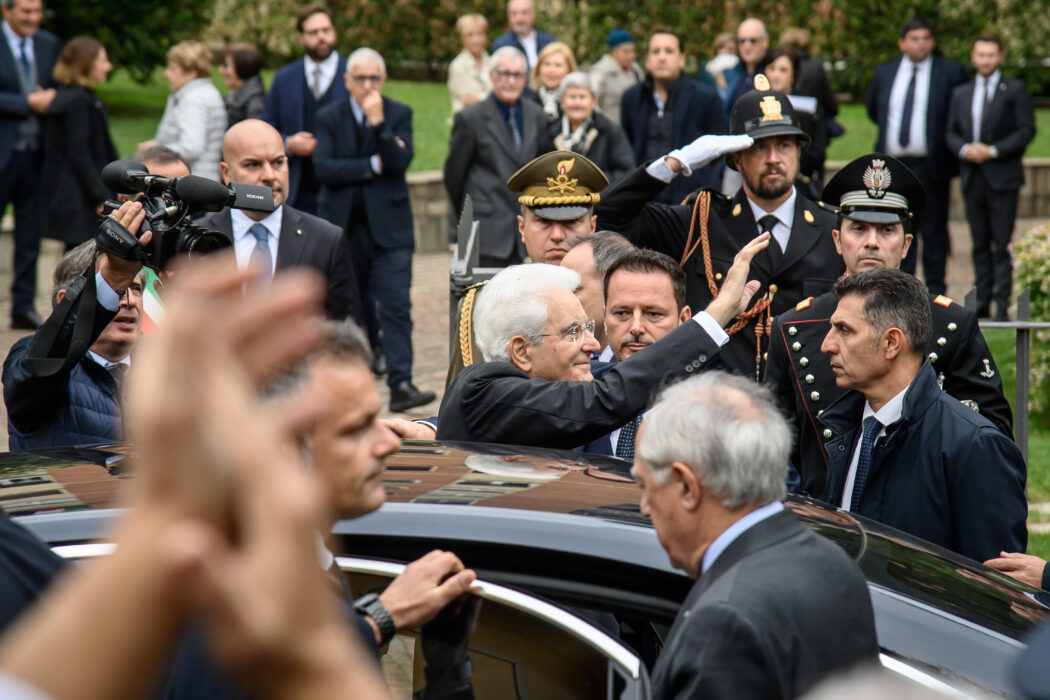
808	268
697	111
246	102
497	402
77	144
942	472
606	145
804	384
748	628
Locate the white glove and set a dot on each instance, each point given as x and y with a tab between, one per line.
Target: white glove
708	148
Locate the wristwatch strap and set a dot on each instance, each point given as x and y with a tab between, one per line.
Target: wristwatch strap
373	607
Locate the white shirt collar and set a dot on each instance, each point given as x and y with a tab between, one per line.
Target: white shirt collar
890	412
735	530
106	363
991	81
329	67
607	354
15	41
241	223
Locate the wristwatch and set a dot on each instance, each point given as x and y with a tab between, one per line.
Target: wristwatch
373	607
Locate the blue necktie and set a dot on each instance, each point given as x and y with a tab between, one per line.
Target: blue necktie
26	66
625	443
872	426
261	255
909	108
515	132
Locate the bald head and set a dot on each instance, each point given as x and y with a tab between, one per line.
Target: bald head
752	41
253	153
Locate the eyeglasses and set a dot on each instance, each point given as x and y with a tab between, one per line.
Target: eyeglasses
748	40
575	332
509	75
362	79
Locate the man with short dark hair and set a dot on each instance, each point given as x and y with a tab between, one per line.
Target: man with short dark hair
523	35
298	93
875	195
990	124
26	91
908	100
668	111
900	450
711	463
705	233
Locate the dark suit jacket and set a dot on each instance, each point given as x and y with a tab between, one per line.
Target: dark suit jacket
497	402
945	74
27	567
341	162
511	39
808	268
748	630
697	111
1009	125
77	144
284	109
605	145
480	161
310	241
13	106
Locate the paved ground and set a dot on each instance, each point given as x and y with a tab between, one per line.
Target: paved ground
429	306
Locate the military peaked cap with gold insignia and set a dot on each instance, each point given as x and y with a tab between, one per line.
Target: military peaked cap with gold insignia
876	188
559	185
765	112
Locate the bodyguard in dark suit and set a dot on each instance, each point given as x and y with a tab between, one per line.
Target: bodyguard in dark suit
706	233
298	93
908	101
364	146
490	141
523	35
26	91
535	385
253	154
872	233
991	123
669	110
711	462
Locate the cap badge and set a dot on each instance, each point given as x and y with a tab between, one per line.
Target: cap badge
877	179
761	82
562	184
771	109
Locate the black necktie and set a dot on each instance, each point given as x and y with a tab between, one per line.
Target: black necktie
776	253
625	443
987	103
117	370
515	132
909	108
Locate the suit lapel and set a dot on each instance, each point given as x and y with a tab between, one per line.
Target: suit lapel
499	131
966	118
804	235
292	242
743	228
995	106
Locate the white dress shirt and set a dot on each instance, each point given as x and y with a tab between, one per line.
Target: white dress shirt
329	67
785	214
529	44
917	146
244	242
889	414
983	89
735	530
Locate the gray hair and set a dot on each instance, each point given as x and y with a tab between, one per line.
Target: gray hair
75	263
728	430
159	154
892	299
505	53
607	247
514	302
578	79
365	54
344	341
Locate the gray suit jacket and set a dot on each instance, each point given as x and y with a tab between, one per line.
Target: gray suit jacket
779	610
310	241
480	161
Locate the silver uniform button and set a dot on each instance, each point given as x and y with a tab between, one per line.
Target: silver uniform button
820	412
827	433
952	327
815	396
803	362
942	341
796	346
933	357
810	379
792	331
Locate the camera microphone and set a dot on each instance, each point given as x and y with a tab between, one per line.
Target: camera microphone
130	176
212	195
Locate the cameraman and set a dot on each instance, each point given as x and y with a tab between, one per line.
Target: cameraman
62	384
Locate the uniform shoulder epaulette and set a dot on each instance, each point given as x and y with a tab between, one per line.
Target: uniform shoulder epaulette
804	304
944	301
717	197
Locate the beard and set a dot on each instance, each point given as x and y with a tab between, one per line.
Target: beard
771	190
320	52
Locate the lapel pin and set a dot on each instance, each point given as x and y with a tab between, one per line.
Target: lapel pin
298	232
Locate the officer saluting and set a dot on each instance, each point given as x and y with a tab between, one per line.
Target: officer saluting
876	196
706	231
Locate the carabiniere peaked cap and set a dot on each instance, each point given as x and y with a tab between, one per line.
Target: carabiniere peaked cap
764	112
559	185
876	188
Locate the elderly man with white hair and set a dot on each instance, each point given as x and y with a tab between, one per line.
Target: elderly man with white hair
535	385
711	462
364	146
